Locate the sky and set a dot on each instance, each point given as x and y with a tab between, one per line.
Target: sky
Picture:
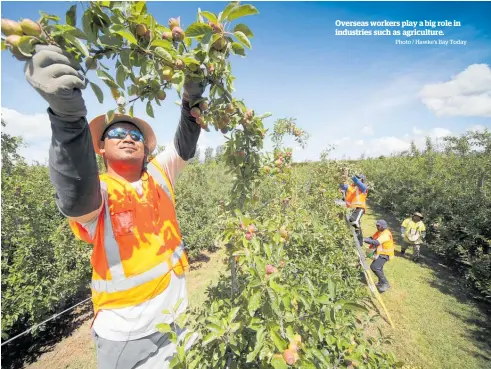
366	95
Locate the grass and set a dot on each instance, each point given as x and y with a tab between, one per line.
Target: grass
78	350
437	325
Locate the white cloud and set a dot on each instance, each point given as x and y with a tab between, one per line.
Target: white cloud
417	131
30	127
35	130
476	128
367	130
387	145
359	142
466	94
341	141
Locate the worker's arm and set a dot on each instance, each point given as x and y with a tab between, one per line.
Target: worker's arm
73	169
343	186
363	187
174	158
72	163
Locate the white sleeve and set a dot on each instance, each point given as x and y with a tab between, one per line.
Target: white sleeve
91	225
171	162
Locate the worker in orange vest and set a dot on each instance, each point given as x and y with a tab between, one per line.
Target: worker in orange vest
128	214
355	197
382	243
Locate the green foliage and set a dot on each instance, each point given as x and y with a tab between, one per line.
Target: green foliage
199	190
451	186
43	266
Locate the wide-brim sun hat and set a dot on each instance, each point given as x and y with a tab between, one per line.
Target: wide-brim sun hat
98	125
418	214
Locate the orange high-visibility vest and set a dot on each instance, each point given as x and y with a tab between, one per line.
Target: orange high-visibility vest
385	248
137	241
355	198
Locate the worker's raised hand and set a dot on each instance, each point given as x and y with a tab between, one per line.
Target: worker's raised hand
193	90
56	77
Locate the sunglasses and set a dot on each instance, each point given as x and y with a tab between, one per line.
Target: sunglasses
121	133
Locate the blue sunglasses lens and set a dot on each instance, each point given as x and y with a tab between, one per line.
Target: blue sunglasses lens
121	133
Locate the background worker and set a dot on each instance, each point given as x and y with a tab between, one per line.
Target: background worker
127	214
413	231
383	243
355	197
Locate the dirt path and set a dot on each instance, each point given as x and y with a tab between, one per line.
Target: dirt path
78	352
437	324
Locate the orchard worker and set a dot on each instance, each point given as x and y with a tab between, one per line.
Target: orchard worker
127	214
355	197
383	244
414	232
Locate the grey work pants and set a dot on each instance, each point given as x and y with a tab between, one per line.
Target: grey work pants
154	351
378	268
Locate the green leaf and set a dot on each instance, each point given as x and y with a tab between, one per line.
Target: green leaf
87	27
124	32
162	43
130	113
120	76
198	29
238	49
124	56
149	109
354	306
233	314
320	356
25	45
231	6
279	363
71	15
103	75
4	45
209	338
215	328
241	27
109	116
242	11
243	38
332	289
49	16
98	92
164	328
324	300
138	6
77	43
188	61
278	341
260	334
254	302
162	53
210	16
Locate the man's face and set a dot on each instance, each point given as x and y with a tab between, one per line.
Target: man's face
120	146
416	218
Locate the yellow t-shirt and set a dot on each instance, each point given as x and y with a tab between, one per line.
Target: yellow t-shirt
413	227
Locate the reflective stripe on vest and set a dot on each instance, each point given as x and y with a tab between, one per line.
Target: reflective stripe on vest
128	283
161	179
